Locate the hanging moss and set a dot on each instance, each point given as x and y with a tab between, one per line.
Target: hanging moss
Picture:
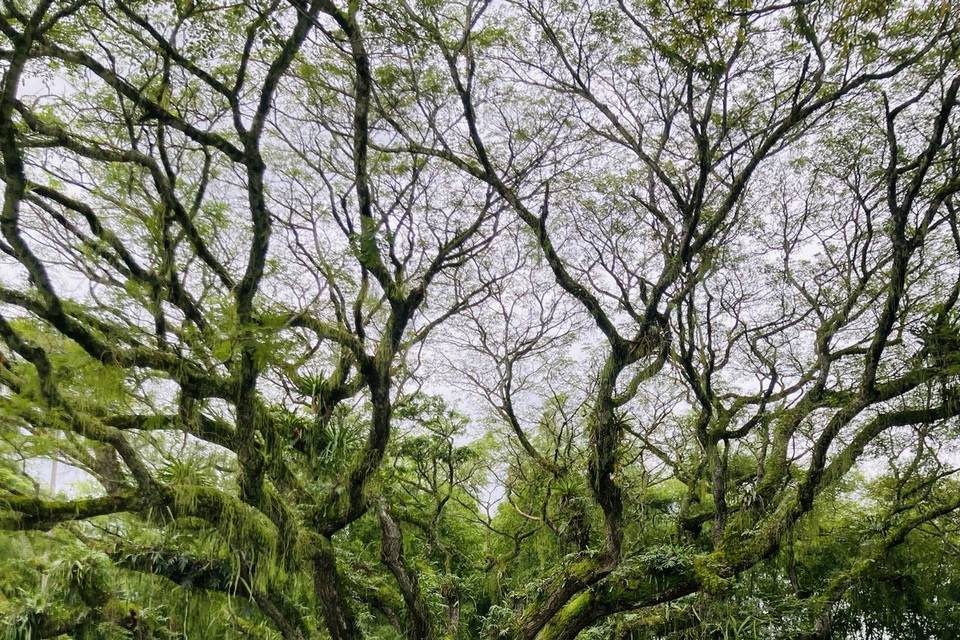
243	528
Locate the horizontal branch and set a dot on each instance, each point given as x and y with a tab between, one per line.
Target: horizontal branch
21	513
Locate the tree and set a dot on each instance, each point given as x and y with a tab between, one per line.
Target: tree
244	269
696	262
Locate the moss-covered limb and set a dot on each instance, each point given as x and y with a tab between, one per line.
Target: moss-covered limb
656	622
217	574
35	513
570	580
878	549
266	538
116	612
84	623
251	454
777	466
605	433
281	499
743	552
422	624
240	525
635	585
323	330
337	612
206	428
186	570
345	504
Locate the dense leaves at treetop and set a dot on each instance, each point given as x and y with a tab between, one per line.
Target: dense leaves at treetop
479	319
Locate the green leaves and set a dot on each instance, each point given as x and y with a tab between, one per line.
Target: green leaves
717	394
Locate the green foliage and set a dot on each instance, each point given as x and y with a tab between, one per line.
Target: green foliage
705	250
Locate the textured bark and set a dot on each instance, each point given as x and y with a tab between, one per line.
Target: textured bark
421	625
338	615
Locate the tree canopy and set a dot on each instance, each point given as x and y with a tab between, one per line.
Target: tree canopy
476	319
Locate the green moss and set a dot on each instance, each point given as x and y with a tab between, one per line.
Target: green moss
708	569
243	528
568	616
